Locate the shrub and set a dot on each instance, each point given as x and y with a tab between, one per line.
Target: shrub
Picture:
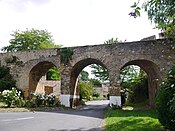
96	94
12	98
50	100
165	101
86	90
6	81
38	100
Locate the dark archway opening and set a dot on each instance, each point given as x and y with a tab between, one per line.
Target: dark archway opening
75	79
150	82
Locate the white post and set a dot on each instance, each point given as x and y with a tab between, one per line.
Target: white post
115	100
65	100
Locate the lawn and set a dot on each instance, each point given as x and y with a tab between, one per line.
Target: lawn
132	120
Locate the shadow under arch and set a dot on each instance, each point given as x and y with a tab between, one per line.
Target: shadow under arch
77	68
152	71
37	72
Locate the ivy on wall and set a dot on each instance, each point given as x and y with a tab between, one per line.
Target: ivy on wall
13	60
66	55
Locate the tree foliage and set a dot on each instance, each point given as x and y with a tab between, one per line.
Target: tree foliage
100	72
165	101
33	40
84	75
96	82
53	74
134	81
30	40
161	12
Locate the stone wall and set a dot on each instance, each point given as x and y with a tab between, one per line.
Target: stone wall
155	57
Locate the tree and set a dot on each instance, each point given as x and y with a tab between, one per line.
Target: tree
30	40
84	75
161	12
33	40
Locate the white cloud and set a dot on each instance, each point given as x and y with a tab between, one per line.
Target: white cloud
73	22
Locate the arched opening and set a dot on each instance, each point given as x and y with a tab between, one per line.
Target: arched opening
152	78
44	78
75	79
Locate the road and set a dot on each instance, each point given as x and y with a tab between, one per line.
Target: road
90	118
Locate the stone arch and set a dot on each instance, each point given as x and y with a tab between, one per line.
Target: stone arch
76	69
37	72
152	71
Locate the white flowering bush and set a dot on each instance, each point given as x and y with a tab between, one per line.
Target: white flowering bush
38	100
12	98
50	100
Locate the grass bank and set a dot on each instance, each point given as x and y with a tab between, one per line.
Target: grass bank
132	120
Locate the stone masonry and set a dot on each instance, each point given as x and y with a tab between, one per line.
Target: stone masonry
155	57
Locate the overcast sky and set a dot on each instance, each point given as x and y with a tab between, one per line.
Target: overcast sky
74	22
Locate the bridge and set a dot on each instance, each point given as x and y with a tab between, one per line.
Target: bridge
155	57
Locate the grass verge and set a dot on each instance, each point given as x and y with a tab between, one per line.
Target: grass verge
132	120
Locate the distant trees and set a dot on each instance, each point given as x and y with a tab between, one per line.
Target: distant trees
100	72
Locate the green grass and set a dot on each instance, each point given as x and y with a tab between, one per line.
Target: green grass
132	120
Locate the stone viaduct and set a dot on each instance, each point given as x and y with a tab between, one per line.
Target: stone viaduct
155	57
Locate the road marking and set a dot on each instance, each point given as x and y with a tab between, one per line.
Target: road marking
18	119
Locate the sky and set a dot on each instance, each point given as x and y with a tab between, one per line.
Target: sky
74	22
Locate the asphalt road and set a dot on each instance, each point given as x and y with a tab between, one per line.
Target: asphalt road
90	118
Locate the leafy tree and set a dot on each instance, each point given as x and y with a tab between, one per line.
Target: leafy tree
30	40
84	75
33	40
161	12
